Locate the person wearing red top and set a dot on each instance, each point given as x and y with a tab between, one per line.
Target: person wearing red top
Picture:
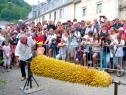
108	25
40	38
122	31
124	36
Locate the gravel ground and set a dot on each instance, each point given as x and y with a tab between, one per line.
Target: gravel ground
53	87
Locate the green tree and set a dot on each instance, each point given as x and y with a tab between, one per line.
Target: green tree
17	9
5	14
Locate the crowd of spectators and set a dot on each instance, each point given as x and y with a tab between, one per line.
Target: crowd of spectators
89	43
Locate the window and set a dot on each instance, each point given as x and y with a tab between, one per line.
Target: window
43	17
99	8
50	16
61	13
38	12
54	15
84	11
34	14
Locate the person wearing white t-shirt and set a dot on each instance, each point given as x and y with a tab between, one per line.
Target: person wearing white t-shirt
7	55
51	35
65	37
49	41
2	39
117	45
62	50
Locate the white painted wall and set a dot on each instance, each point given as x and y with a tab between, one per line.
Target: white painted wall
46	17
69	12
109	9
78	11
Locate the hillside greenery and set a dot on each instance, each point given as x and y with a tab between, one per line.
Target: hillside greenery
13	10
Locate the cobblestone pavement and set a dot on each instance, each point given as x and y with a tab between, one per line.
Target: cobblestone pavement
54	87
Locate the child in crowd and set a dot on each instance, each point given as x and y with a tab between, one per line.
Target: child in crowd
53	48
51	42
106	50
79	54
62	50
87	41
7	55
118	54
96	49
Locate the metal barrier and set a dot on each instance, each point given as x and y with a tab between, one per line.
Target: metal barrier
89	55
116	84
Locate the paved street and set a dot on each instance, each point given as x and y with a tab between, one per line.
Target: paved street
53	87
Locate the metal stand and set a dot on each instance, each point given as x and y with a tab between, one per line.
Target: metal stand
116	87
116	84
30	77
28	87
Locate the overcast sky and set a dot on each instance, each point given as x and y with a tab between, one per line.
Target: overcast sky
34	2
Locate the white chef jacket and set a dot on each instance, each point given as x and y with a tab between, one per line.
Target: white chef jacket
24	51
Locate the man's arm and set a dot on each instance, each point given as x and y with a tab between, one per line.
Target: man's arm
17	50
17	54
121	44
32	42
